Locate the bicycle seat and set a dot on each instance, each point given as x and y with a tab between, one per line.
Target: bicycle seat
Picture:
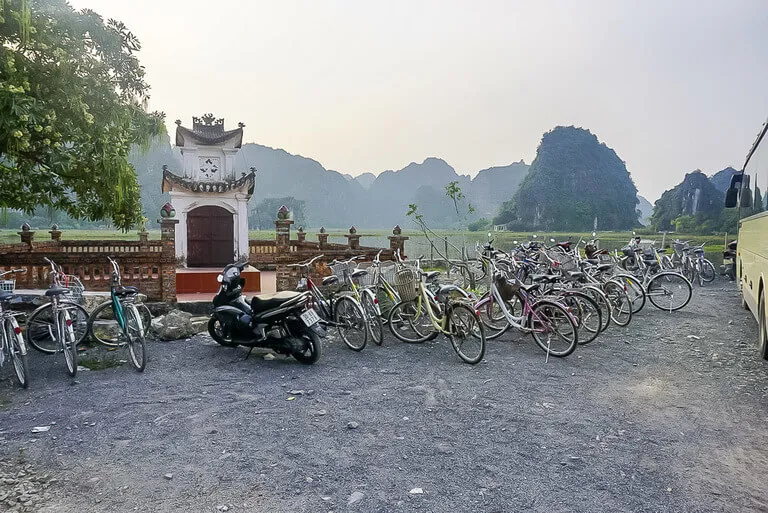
330	280
359	272
57	291
530	288
575	274
267	301
605	267
592	261
431	275
125	291
544	278
6	296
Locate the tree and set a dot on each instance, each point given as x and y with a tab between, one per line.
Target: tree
264	213
72	102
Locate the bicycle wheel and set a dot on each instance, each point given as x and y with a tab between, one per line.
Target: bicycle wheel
40	329
553	328
16	350
474	271
103	326
669	291
492	317
634	289
621	311
372	317
602	302
67	341
590	318
146	317
466	333
707	271
350	321
134	331
411	324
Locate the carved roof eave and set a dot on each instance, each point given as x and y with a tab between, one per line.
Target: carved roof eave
183	134
172	182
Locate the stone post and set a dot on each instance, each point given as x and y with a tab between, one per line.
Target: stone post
322	238
26	234
144	238
353	239
283	230
397	241
168	265
301	234
55	233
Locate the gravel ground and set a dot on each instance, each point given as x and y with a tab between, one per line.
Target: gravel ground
668	414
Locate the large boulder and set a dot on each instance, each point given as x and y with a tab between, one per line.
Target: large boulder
176	325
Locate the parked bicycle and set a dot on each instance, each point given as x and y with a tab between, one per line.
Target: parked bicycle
41	324
118	322
359	282
340	310
12	344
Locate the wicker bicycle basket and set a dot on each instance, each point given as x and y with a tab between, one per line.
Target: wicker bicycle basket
507	287
562	261
406	283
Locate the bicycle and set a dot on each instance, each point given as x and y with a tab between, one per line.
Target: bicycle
360	283
455	318
40	325
341	311
118	321
541	317
64	323
661	287
12	343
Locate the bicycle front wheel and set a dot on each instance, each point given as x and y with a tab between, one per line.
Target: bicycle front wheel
553	328
67	341
103	326
602	302
134	332
621	312
16	350
350	321
492	317
707	271
40	328
410	323
669	291
587	313
372	316
634	290
466	333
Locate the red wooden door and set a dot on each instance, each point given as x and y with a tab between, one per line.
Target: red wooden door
210	237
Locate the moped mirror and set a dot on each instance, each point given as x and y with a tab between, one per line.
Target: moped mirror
594	234
551	239
534	235
633	232
516	242
489	235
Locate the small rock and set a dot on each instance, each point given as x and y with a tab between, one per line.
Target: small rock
416	491
693	337
352	425
269	356
41	429
168	476
355	498
320	413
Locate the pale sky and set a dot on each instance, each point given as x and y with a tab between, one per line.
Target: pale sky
368	86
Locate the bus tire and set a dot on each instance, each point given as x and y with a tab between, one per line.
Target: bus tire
762	328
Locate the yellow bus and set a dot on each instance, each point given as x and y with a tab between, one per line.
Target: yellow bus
747	194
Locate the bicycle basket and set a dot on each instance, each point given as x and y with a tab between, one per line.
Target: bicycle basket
507	287
366	280
406	283
341	269
7	285
75	286
562	261
388	272
604	258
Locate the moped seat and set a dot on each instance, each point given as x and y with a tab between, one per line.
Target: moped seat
6	296
267	301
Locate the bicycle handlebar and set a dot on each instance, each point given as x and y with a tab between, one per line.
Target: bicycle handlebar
13	271
306	264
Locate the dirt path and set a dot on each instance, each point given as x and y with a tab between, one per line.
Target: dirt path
647	418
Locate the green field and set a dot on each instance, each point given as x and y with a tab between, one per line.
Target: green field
417	244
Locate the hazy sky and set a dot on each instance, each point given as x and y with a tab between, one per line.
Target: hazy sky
368	86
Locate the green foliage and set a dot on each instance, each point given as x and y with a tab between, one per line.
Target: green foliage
479	225
72	103
573	181
264	213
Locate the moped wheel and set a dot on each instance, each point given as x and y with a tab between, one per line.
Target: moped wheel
350	321
219	332
313	348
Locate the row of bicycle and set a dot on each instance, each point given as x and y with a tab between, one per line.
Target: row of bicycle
553	293
59	325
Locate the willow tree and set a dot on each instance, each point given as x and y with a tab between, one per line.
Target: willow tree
72	103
